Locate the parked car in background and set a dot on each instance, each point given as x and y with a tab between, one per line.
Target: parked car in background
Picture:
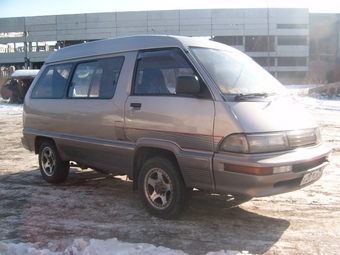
17	84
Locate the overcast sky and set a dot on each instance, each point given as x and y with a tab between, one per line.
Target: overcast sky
19	8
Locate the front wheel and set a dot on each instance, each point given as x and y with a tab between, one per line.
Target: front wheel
161	188
52	168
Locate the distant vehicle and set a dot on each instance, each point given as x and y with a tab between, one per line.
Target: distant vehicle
17	84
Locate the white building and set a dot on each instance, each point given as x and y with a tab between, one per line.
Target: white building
278	35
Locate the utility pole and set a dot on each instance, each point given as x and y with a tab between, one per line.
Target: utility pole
268	38
26	47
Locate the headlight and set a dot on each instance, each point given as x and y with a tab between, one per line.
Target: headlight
259	143
255	143
270	142
303	137
235	143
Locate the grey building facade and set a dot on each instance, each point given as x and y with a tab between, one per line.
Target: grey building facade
278	39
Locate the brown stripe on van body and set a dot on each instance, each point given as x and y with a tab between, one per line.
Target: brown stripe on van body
183	140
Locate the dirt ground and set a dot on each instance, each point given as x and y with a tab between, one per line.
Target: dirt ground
91	205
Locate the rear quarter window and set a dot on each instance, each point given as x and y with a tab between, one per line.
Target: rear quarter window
52	83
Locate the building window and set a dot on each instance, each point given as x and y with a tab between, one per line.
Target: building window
292	61
263	61
291	74
229	40
259	43
292	40
292	26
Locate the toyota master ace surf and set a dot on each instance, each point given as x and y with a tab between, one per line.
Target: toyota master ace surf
172	113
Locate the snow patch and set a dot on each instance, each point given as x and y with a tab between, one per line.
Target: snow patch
99	247
114	246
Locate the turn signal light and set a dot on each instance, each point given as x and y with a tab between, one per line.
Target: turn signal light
257	170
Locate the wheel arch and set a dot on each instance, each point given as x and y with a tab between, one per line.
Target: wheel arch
53	169
39	140
147	148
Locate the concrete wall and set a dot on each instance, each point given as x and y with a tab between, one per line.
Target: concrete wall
207	22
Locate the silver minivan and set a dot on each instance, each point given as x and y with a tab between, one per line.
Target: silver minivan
173	114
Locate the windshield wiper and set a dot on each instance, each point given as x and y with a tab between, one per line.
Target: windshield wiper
253	95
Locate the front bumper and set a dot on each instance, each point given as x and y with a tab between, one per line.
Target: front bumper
308	165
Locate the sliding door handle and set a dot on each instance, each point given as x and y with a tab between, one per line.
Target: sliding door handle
136	105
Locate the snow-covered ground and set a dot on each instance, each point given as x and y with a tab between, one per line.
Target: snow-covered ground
319	102
80	246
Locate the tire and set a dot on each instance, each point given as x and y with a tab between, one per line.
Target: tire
161	188
52	168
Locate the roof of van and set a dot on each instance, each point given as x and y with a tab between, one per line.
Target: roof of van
129	43
25	72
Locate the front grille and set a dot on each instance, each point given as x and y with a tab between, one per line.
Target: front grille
308	165
289	183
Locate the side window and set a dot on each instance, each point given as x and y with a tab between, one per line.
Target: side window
157	71
81	80
52	82
96	79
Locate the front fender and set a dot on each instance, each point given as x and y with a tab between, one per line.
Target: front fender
195	166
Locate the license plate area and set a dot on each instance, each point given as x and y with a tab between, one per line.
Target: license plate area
307	178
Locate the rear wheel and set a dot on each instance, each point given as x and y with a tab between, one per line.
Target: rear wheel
52	168
161	188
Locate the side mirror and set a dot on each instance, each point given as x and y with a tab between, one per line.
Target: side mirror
188	85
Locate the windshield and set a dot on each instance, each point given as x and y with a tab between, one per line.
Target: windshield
236	73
